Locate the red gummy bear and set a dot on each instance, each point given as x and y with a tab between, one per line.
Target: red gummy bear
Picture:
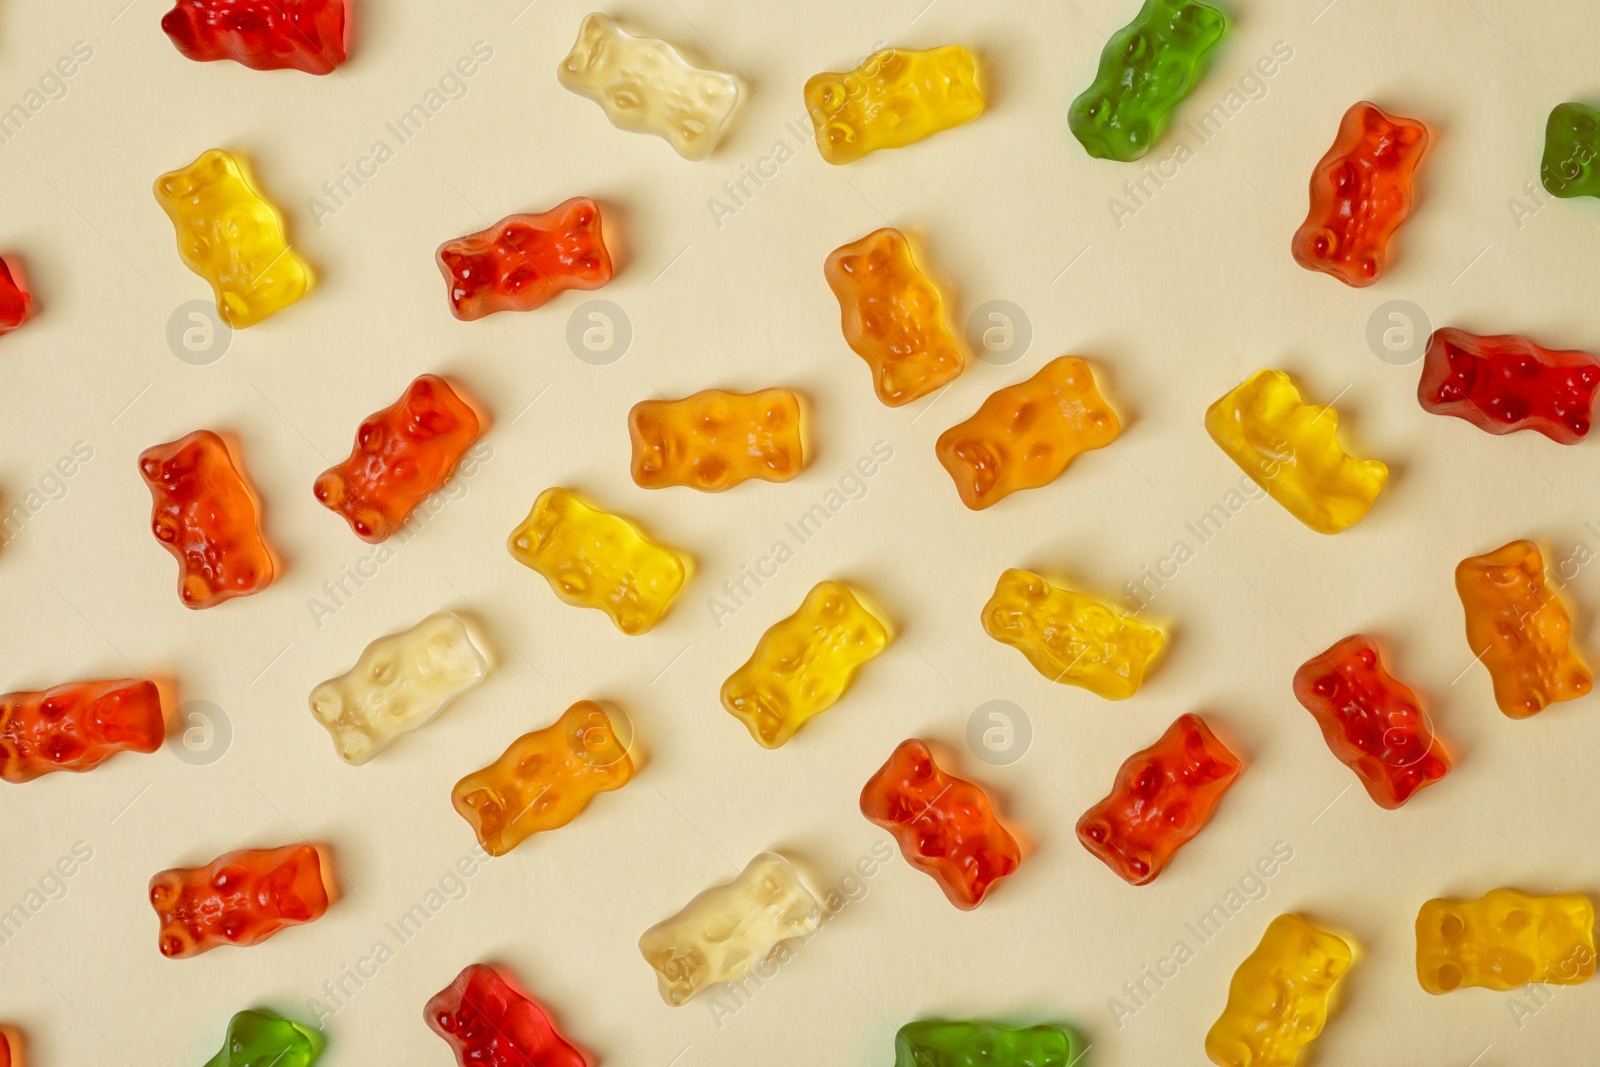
489	1022
6	1041
15	302
306	35
524	261
1163	796
1373	722
402	455
1505	384
1360	194
945	826
77	727
242	899
206	517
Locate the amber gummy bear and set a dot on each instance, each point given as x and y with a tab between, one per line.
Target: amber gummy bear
715	439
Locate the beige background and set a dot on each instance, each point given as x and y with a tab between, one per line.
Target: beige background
1192	292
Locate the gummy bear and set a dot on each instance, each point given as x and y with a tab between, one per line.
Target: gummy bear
714	440
1373	722
804	664
401	683
646	86
1291	449
205	515
488	1021
1505	939
524	261
1505	384
233	238
6	1048
1070	637
1360	194
1518	627
545	779
1571	145
594	559
242	899
894	98
402	455
979	1044
1146	70
893	317
77	727
1278	999
15	300
945	826
1024	435
308	35
729	930
1164	795
262	1039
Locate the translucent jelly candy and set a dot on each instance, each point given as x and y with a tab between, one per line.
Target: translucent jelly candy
1571	146
401	683
978	1044
1360	194
1278	999
306	35
945	826
488	1021
77	727
1291	449
893	317
6	1055
402	455
1518	627
1146	70
232	238
524	261
15	300
714	440
545	779
1070	637
894	98
205	515
1505	939
1505	384
803	664
1024	435
1373	722
644	85
730	929
242	899
262	1039
594	559
1164	795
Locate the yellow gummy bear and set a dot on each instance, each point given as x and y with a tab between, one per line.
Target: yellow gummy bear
803	665
1291	449
1071	637
1505	939
232	238
894	98
594	559
1278	999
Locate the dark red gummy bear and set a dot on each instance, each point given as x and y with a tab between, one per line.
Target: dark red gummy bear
1163	796
206	517
402	455
945	826
489	1022
1373	723
308	35
242	899
77	727
1360	194
524	261
15	301
1505	384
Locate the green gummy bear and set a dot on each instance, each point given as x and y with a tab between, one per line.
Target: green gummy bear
953	1044
262	1039
1571	146
1146	70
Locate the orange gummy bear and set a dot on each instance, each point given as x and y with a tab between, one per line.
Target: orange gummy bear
715	439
